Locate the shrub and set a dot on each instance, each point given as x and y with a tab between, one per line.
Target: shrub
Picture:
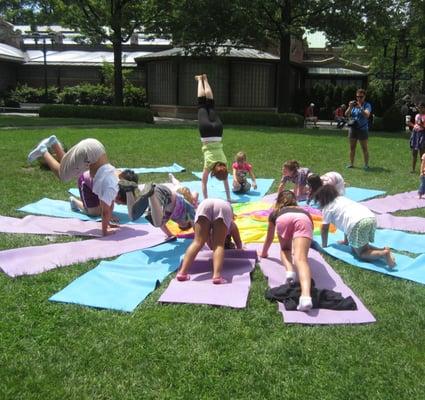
261	118
134	96
28	94
97	112
378	124
86	94
393	120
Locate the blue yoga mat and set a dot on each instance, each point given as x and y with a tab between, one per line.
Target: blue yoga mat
360	194
125	282
216	189
406	268
398	240
62	209
171	168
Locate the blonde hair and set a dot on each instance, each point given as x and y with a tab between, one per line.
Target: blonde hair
240	157
187	194
285	198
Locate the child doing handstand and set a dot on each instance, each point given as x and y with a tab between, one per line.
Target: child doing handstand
211	130
292	172
295	232
213	222
87	155
356	221
241	169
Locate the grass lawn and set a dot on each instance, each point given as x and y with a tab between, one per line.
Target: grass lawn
59	351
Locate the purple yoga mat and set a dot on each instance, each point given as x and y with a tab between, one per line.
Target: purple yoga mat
40	225
36	259
396	202
200	289
325	278
410	224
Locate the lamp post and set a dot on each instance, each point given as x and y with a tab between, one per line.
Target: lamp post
43	37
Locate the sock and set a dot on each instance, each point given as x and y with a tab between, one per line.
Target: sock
305	303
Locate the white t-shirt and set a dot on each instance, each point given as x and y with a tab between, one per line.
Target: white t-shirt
105	184
334	179
345	213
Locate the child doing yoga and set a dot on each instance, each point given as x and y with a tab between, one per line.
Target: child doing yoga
316	181
87	155
213	222
356	221
211	131
294	227
241	169
292	172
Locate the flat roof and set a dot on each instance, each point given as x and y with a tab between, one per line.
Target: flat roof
334	71
10	53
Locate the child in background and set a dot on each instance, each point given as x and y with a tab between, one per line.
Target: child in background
211	130
421	190
213	222
356	221
87	155
292	172
417	137
333	178
295	232
240	171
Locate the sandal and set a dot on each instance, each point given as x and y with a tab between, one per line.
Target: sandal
219	281
182	277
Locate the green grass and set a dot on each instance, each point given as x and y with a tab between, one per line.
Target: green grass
59	351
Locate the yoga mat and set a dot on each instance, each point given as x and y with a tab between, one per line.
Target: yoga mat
398	240
325	278
122	284
62	209
36	259
200	289
353	193
396	202
410	224
50	226
216	188
170	168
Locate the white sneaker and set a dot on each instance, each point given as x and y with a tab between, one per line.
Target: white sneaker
38	151
51	140
305	304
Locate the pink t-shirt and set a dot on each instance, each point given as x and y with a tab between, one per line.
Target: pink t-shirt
244	167
419	122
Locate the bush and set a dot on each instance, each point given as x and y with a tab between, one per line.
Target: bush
98	112
378	124
261	118
28	94
134	96
393	120
86	94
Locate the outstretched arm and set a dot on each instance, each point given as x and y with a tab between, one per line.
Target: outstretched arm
106	218
269	240
234	232
227	189
204	183
324	231
254	182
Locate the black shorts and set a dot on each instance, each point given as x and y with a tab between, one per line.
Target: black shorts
357	134
209	122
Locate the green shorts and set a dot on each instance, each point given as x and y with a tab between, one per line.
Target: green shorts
362	233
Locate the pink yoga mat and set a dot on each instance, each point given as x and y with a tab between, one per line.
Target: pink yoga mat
396	202
40	225
36	259
200	289
410	224
325	278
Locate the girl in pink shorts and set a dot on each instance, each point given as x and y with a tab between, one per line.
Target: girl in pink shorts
294	227
213	222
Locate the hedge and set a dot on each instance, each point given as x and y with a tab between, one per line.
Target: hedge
261	118
97	112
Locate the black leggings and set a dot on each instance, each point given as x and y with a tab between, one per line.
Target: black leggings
209	122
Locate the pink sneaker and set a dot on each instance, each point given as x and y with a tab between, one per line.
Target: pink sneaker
182	277
219	281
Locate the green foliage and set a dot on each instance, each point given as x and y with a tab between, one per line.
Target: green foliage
98	112
28	94
86	94
378	124
134	96
348	93
261	118
393	120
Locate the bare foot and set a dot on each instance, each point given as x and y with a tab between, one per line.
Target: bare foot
204	77
389	258
198	77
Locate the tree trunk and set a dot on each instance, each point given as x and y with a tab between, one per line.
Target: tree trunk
118	84
284	71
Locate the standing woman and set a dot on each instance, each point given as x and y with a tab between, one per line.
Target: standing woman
359	112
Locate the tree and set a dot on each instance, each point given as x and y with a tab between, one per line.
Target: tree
105	20
31	12
261	23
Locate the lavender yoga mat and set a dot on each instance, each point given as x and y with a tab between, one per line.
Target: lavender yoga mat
200	289
396	202
36	259
50	226
410	224
325	278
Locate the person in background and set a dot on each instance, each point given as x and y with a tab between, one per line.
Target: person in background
310	115
417	134
241	168
340	116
